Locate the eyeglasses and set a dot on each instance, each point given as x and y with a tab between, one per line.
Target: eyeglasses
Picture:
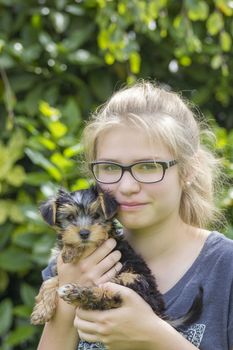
147	171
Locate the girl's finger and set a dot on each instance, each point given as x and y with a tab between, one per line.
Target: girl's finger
86	330
89	315
107	263
101	252
84	326
91	338
110	274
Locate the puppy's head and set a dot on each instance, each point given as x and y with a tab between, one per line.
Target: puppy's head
81	218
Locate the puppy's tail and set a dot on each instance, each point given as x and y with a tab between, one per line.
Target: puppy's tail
192	315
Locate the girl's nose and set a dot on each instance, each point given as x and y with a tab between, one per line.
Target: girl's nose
128	184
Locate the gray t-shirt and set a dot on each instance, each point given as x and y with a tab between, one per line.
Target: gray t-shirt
213	270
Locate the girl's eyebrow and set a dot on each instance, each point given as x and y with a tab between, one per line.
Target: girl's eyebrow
151	159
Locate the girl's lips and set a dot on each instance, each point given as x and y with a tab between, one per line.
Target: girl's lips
131	206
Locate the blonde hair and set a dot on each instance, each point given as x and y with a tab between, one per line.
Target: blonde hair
167	117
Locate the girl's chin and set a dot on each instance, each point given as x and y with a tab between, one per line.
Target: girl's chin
132	221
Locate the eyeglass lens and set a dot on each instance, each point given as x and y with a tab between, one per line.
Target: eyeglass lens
144	172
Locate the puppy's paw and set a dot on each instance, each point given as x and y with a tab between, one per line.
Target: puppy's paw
70	292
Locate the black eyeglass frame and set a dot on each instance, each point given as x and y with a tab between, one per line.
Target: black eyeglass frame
165	165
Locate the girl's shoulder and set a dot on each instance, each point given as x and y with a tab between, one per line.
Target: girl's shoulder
218	243
217	251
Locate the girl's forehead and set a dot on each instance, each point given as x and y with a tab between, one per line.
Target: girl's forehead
129	144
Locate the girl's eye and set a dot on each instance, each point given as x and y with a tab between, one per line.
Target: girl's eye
70	217
110	168
148	167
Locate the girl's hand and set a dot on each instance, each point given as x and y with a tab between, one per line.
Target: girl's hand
99	267
130	327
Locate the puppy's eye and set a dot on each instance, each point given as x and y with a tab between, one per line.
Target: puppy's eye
96	216
70	217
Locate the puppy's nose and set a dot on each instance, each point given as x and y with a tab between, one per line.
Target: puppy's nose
84	234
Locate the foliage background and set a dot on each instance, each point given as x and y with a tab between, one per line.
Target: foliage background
59	59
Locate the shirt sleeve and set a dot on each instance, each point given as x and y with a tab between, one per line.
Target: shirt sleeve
49	271
230	320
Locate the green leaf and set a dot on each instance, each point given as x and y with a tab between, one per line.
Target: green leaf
16	176
24	239
4	281
15	212
193	43
197	10
32	99
101	91
60	21
221	135
57	129
22	82
215	23
80	184
84	57
20	334
73	150
224	6
28	294
61	162
38	159
6	312
13	259
225	41
4	205
22	311
31	53
72	113
48	111
6	230
37	178
76	10
42	249
36	21
135	62
11	153
6	61
185	61
2	44
216	61
45	141
32	213
78	37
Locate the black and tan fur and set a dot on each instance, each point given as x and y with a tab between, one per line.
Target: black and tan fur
83	220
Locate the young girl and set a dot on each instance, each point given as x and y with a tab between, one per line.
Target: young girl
144	147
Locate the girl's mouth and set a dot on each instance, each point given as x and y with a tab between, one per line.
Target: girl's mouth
131	206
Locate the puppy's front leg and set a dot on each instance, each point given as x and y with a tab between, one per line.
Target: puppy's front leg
46	302
71	253
89	298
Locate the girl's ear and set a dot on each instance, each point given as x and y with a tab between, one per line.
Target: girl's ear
108	204
48	211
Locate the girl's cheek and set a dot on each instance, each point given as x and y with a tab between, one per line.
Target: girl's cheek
109	188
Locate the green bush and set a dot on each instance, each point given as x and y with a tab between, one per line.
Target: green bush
59	59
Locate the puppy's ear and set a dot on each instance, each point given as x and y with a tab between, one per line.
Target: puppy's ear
108	205
48	211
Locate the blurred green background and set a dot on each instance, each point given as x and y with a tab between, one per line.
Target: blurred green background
59	59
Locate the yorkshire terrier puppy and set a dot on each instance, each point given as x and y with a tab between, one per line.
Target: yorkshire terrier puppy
83	220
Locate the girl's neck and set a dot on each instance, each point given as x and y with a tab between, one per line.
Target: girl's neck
164	240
